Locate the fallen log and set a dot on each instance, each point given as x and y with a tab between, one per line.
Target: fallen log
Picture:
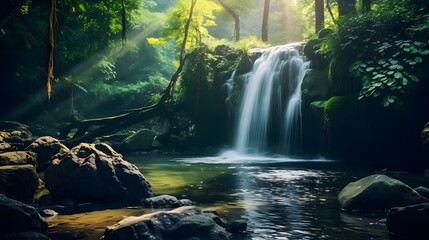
107	125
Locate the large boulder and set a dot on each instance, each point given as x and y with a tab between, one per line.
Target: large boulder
46	147
15	133
378	192
18	158
315	85
181	223
19	217
409	222
19	182
25	236
140	141
96	173
424	191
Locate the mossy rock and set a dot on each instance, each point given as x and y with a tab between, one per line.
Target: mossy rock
311	47
377	192
337	104
325	32
342	82
318	106
315	85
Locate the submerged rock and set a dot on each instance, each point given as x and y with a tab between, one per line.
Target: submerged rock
166	201
19	182
18	158
140	141
46	147
19	217
409	222
181	223
378	192
96	173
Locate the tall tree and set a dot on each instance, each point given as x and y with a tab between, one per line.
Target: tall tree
236	17
346	6
319	15
264	35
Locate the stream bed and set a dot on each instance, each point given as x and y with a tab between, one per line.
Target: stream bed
279	198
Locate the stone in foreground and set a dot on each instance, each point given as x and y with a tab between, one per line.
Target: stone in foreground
19	217
377	192
409	222
46	147
181	223
96	173
19	182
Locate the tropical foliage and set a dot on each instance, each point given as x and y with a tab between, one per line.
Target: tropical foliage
384	49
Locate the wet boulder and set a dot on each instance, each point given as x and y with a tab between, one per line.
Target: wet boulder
18	158
422	191
181	223
96	173
25	236
19	182
166	201
409	222
315	85
17	217
15	133
378	192
139	141
46	147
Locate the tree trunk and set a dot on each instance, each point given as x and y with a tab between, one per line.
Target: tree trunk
346	6
236	19
319	15
328	6
108	125
264	35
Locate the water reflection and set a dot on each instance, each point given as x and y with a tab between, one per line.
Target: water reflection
279	200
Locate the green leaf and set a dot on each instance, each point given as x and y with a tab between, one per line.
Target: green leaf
397	75
418	59
82	7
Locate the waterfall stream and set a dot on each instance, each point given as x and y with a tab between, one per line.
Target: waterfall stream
270	113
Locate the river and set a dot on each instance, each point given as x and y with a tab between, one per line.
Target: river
280	198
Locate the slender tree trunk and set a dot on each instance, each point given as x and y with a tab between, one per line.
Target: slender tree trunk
366	5
234	14
168	93
319	15
328	6
264	35
108	125
346	6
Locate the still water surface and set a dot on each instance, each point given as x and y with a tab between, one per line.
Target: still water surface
279	198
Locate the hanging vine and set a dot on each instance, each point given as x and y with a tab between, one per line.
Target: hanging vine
52	25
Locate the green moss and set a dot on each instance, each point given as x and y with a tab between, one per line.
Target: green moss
311	47
325	32
337	104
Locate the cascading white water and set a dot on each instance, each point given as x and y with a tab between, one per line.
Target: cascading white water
270	106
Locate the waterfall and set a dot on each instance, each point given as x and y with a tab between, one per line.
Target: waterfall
270	112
